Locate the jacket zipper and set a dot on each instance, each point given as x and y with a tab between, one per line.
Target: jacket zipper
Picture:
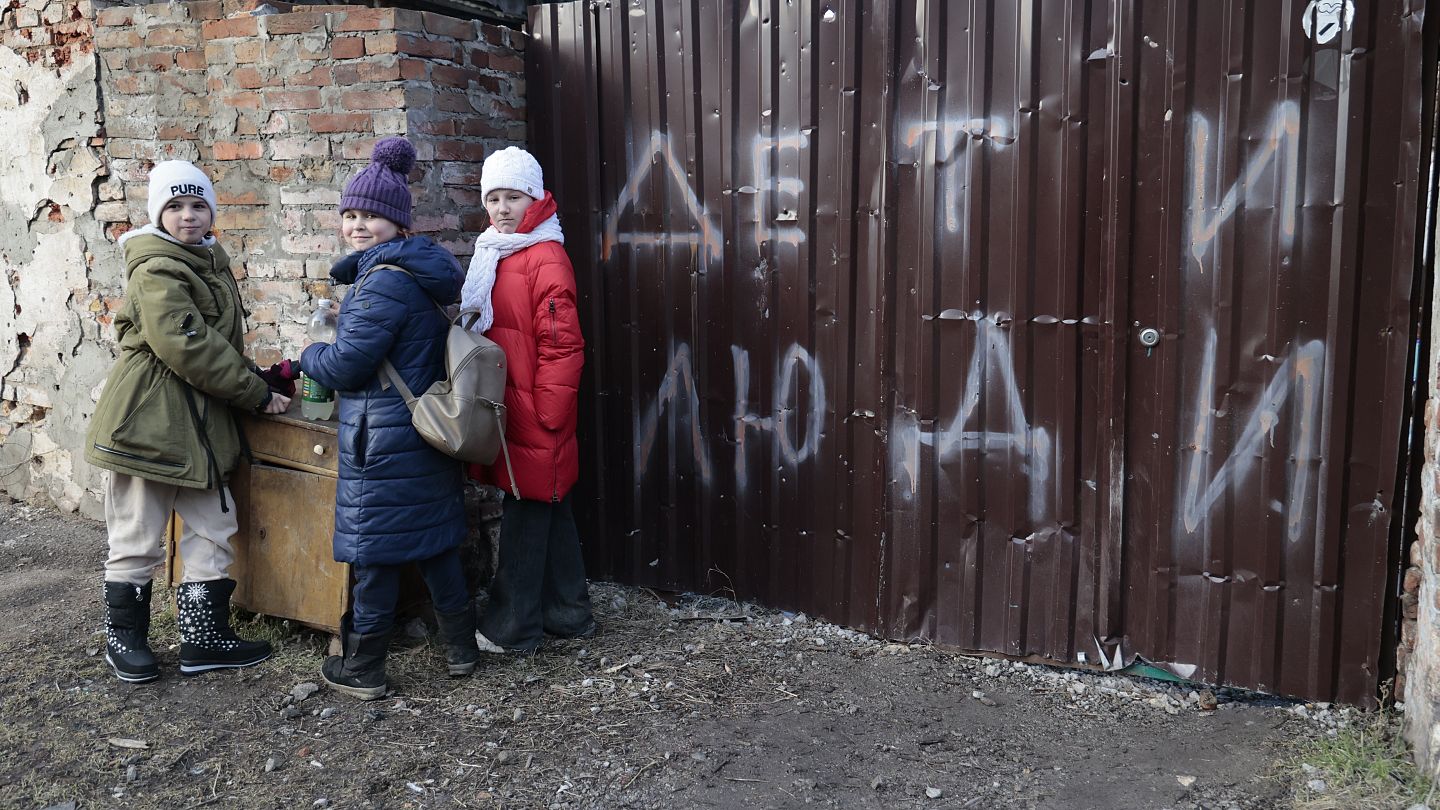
554	467
121	453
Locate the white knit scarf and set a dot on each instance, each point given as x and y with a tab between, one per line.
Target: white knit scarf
490	247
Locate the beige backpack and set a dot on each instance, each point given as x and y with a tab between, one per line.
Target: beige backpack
463	414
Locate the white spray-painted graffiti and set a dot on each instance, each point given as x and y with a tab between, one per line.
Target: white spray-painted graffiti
1280	146
780	421
1298	374
961	433
707	238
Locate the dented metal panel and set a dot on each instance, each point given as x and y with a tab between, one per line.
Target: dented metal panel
865	286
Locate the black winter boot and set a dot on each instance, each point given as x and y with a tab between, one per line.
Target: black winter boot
127	631
457	633
360	670
206	640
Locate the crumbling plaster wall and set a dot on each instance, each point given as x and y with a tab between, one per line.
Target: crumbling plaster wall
279	108
54	168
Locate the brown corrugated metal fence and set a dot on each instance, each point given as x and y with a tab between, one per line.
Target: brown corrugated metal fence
865	286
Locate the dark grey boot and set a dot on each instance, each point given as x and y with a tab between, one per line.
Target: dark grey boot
127	631
360	670
206	640
457	633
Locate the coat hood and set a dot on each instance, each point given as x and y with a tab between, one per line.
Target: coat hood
149	242
434	268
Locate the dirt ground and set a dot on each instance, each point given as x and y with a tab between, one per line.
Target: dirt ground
681	702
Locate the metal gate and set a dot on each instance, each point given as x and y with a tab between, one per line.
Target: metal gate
1068	330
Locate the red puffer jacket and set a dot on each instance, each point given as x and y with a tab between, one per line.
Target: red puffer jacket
537	326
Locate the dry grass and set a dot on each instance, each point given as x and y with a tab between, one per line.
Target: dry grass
1366	766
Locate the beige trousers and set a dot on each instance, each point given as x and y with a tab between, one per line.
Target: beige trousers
137	511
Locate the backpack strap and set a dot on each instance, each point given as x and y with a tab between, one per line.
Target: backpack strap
392	377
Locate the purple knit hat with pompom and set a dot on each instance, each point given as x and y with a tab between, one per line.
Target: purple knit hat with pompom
382	187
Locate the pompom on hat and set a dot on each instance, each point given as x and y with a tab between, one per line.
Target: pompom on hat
512	167
382	187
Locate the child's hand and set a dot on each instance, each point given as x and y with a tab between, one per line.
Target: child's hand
279	403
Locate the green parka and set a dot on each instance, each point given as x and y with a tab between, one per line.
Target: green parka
181	331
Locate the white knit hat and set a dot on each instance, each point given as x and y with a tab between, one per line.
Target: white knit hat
512	167
178	178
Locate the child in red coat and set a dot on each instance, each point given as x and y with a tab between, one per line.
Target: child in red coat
522	287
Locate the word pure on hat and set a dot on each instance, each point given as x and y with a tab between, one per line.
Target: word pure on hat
178	178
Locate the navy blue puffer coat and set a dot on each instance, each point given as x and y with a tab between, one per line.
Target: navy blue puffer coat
398	499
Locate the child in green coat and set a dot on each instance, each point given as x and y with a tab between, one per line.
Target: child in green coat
165	431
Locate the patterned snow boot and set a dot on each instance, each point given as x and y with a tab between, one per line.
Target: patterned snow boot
206	640
127	631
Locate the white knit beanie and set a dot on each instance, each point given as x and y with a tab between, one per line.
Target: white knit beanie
512	167
178	178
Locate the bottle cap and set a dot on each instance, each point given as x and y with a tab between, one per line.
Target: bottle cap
322	303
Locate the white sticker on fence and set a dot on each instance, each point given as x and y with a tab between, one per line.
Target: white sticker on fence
1325	19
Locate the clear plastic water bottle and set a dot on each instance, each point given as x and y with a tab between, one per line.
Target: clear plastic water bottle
316	401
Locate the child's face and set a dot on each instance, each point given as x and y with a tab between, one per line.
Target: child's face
186	218
363	230
506	206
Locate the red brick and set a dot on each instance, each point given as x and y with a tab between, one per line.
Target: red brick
453	76
249	51
443	26
413	69
151	61
134	84
118	37
246	26
357	72
205	9
281	174
459	150
172	37
376	44
370	19
229	150
445	127
116	16
249	78
479	58
432	48
295	23
315	77
347	47
455	102
238	197
481	127
475	222
341	122
174	132
373	99
509	64
190	60
292	99
507	111
358	149
242	101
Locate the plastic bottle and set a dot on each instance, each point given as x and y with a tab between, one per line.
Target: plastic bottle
317	402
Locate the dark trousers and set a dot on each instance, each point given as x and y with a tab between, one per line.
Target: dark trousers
540	586
377	587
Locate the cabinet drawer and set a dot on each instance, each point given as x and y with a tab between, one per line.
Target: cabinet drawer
289	441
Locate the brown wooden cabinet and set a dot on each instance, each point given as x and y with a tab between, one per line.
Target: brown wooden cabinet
285	502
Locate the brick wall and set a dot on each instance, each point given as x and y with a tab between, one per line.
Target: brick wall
1419	652
279	108
282	109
